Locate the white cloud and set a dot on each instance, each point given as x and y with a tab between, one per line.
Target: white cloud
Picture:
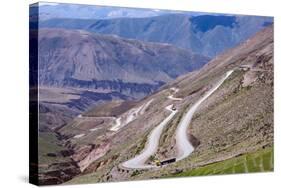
115	13
47	3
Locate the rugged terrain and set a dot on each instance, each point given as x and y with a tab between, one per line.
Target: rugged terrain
79	69
208	34
231	131
94	61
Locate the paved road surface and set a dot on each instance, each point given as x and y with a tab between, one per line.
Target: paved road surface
184	147
151	146
183	144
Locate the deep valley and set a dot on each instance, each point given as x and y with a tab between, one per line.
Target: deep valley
161	95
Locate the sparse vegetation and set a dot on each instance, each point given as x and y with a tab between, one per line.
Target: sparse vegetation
141	145
112	108
233	121
166	139
135	173
152	158
260	161
48	143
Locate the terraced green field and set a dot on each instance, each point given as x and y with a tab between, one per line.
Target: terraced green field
260	161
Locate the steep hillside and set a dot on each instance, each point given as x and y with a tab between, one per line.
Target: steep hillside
231	131
91	61
237	119
204	34
80	69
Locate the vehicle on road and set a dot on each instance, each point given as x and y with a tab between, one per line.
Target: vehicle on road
165	162
157	162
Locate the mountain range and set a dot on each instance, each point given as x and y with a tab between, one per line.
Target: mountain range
184	31
104	64
117	84
79	70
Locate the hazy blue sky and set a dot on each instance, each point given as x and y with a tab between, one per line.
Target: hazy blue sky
62	10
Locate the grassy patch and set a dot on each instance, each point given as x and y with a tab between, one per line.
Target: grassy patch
260	161
48	143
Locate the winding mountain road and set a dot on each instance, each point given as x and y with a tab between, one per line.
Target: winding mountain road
151	145
130	116
184	147
175	90
153	141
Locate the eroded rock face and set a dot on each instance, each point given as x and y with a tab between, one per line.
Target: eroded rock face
87	60
87	154
82	152
93	155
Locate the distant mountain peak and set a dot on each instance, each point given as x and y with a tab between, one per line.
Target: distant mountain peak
208	35
205	23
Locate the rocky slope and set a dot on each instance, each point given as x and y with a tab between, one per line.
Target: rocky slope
78	70
204	34
235	120
87	60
